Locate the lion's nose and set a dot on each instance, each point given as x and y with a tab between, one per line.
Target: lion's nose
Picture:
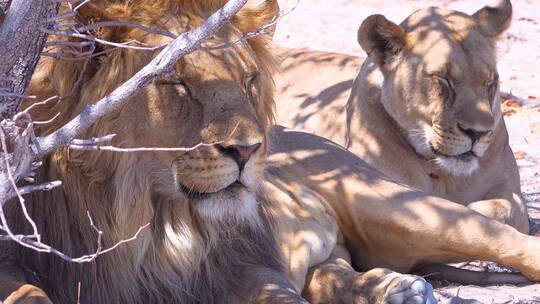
472	133
240	153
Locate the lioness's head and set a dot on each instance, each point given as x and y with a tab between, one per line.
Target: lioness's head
440	79
218	98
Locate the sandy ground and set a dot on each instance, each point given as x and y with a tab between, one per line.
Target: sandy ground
332	25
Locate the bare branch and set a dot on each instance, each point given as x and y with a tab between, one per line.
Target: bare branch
93	140
37	104
156	31
91	257
141	149
43	187
260	31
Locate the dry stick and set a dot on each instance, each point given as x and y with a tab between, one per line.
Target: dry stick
259	31
16	189
42	187
101	24
124	45
27	110
37	245
141	149
92	145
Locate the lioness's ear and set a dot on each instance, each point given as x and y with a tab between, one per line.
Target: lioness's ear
255	14
493	20
381	39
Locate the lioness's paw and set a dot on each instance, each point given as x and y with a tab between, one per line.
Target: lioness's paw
409	289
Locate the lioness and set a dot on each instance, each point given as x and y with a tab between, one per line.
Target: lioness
425	111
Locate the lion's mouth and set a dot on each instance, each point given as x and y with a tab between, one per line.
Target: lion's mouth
197	195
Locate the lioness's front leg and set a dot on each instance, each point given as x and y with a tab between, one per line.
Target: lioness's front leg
335	281
504	205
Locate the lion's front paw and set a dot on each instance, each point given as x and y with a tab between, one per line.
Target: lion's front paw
28	294
409	289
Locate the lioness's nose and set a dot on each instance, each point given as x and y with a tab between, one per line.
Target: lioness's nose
472	133
240	153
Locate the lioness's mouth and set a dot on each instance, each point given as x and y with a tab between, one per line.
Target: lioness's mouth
465	157
197	195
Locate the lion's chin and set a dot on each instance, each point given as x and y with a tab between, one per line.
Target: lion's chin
234	203
460	165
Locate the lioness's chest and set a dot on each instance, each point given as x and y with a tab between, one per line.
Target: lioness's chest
459	189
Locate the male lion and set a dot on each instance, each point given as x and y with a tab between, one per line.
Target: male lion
211	212
210	240
424	111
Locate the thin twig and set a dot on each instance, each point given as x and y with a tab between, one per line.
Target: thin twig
260	31
3	219
141	149
43	187
93	140
91	257
36	104
16	189
101	24
44	122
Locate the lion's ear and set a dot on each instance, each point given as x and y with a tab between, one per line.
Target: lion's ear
381	39
255	14
494	20
91	13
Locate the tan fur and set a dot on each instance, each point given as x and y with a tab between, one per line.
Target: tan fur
218	249
398	108
210	239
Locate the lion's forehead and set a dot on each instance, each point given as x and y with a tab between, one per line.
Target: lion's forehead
215	61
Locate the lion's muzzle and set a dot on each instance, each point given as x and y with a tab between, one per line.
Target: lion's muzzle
212	169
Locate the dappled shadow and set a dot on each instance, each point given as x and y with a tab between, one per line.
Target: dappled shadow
312	90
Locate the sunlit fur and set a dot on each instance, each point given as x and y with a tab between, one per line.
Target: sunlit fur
195	250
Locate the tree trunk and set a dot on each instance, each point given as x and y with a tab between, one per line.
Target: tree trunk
21	42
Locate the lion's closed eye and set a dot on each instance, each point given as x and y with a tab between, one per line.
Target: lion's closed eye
178	83
251	84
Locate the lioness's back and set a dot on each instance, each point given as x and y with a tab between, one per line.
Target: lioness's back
312	91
